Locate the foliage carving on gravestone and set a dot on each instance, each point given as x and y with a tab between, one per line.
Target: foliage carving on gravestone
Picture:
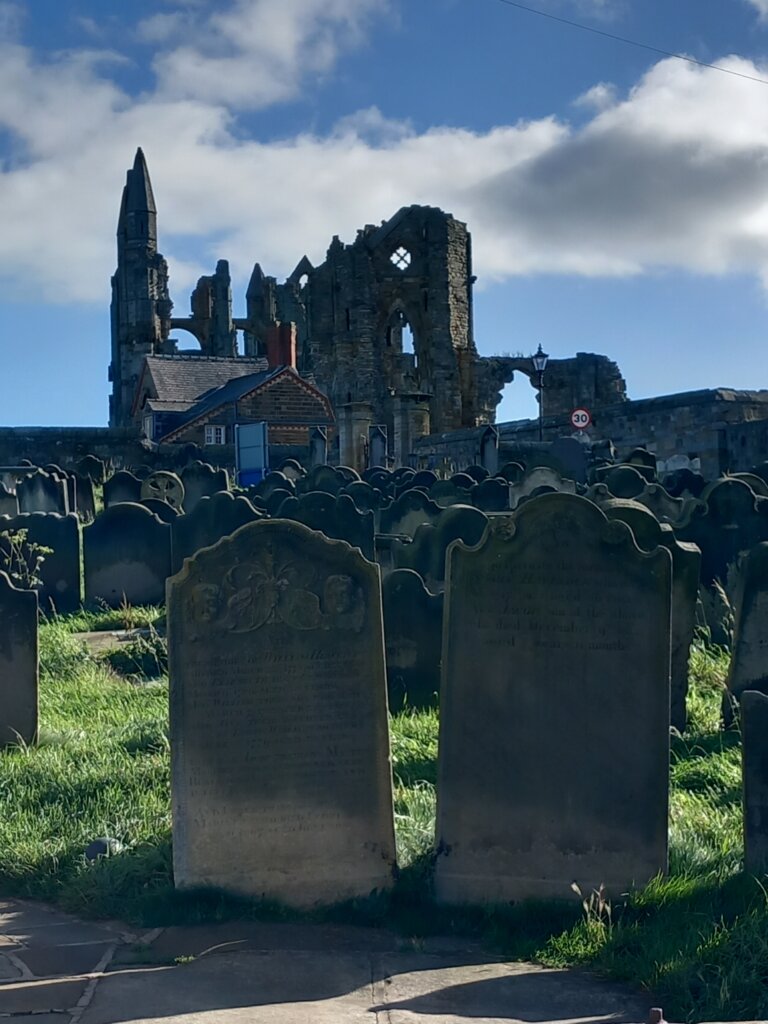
22	559
269	590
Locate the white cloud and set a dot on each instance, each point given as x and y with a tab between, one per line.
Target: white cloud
253	52
675	174
761	6
599	97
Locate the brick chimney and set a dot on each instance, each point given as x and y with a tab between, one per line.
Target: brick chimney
281	344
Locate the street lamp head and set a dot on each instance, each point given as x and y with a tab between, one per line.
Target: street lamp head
539	360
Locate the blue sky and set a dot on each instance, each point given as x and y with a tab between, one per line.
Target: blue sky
618	200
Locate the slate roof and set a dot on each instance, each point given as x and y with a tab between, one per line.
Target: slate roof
185	378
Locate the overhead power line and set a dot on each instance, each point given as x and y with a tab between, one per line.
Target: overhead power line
631	42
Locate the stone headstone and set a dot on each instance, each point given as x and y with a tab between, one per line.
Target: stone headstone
59	588
334	515
165	512
749	660
492	495
377	445
413	632
281	782
754	737
686	565
9	503
426	553
625	481
127	556
201	480
537	478
164	486
554	731
408	512
122	486
446	492
18	664
213	518
85	499
93	468
512	471
42	492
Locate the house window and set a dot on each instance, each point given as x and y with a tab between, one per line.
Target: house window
215	435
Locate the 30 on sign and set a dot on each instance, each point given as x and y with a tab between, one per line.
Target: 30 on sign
581	418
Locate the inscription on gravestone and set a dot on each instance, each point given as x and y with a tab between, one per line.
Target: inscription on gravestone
554	742
280	758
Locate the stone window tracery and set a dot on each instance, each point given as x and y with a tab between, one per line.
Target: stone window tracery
401	258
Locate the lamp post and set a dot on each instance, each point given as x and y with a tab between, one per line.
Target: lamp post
539	361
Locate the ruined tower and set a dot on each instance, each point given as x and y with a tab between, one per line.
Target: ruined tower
141	306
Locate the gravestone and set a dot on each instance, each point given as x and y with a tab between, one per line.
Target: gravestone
59	588
426	552
281	781
686	566
377	446
18	664
537	478
754	737
164	486
121	487
408	512
42	492
167	513
201	480
625	481
334	515
85	500
93	468
212	519
492	495
446	493
291	469
666	508
127	556
413	633
554	729
749	660
9	503
512	471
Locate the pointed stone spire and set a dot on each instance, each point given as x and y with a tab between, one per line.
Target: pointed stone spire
256	284
138	214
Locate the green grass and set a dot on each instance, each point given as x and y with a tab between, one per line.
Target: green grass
698	938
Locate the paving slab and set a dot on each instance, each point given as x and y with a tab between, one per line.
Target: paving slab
41	996
79	958
8	969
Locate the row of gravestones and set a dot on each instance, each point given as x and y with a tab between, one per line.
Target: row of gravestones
277	673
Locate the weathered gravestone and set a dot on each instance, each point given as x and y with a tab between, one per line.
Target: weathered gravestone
426	552
625	481
93	468
42	492
212	519
200	481
85	500
749	661
554	730
334	515
686	566
163	486
18	664
536	478
492	495
754	737
9	503
413	632
407	512
165	512
280	757
127	556
121	487
59	586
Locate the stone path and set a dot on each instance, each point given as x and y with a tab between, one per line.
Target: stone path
55	969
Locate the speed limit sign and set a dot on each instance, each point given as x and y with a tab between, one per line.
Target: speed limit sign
581	418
